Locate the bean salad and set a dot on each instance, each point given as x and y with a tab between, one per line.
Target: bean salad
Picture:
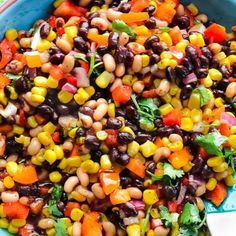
116	118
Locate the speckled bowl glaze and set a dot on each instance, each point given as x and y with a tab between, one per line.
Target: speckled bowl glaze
21	14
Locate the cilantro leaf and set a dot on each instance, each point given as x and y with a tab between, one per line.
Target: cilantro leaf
204	95
146	220
165	216
228	154
93	66
165	29
188	231
60	228
197	22
171	172
80	57
12	76
55	198
120	26
190	215
212	142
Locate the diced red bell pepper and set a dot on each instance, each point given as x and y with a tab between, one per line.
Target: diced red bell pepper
218	195
177	54
224	129
56	72
23	120
190	15
172	206
67	9
15	210
111	140
173	118
84	65
72	80
215	33
6	51
56	137
122	94
60	31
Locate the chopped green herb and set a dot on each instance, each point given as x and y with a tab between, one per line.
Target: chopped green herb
188	231
204	95
93	66
165	29
228	154
55	198
190	215
120	26
197	22
146	220
60	228
13	77
212	142
80	57
166	216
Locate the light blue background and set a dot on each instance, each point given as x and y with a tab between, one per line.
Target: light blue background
23	13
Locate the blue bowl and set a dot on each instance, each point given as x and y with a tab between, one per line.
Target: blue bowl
22	14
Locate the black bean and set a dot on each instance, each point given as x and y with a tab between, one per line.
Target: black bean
129	58
191	52
45	111
164	131
169	192
113	40
45	30
149	42
11	120
150	23
183	22
86	110
83	29
114	123
214	63
197	64
125	181
133	126
98	3
121	54
206	52
181	71
113	154
124	7
232	52
57	58
226	50
188	64
186	92
28	190
102	205
120	112
158	123
91	142
191	189
54	50
189	198
151	167
12	147
201	73
224	70
80	44
198	163
125	138
206	172
92	15
61	206
204	61
142	137
123	159
218	93
128	210
154	58
157	48
22	85
138	183
222	84
150	9
62	109
102	50
96	155
132	113
170	74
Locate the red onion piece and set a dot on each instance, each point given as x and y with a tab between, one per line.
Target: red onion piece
139	205
190	78
69	88
194	180
82	77
230	120
182	193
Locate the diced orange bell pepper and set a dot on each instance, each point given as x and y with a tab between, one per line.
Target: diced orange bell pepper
56	72
4	81
15	210
218	195
119	196
136	167
165	12
139	5
33	59
175	35
26	175
90	225
158	142
180	158
109	181
134	17
215	33
215	115
6	52
69	207
5	128
173	118
99	39
20	57
224	129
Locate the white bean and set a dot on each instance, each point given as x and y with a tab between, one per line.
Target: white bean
84	3
68	63
100	112
160	153
46	223
70	184
67	121
136	48
98	191
112	14
137	63
64	45
120	70
100	23
202	17
138	86
109	228
34	132
109	62
83	177
200	204
76	229
2	187
180	10
163	88
34	146
231	90
123	39
201	189
135	192
117	82
9	196
161	231
86	121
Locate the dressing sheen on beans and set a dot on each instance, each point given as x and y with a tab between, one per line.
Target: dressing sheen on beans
116	118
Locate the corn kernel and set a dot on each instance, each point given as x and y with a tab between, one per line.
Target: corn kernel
94	169
50	156
4	223
127	129
166	55
49	127
232	141
90	90
51	82
71	31
230	180
211	184
105	162
133	148
194	101
165	37
3	98
104	79
150	196
52	35
167	98
197	40
8	182
86	165
12	168
18	222
166	109
44	45
55	177
233	130
188	167
64	96
32	122
187	124
176	103
127	80
150	233
45	138
18	130
59	152
182	45
37	98
219	102
77	196
141	30
39	90
145	60
40	81
215	74
196	115
12	229
222	167
192	7
148	148
33	59
214	161
11	34
111	110
51	232
101	135
220	56
176	146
